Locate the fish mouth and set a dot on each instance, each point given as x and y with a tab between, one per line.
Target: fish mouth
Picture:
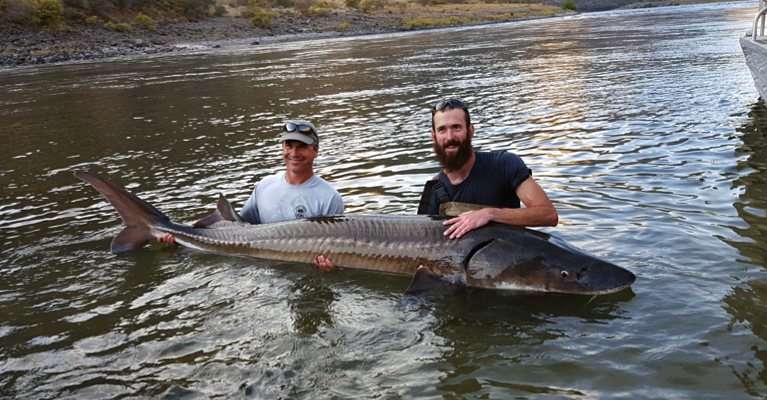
611	290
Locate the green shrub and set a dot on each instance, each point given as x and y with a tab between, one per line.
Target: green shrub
543	13
145	21
344	26
262	19
319	10
570	5
409	23
117	27
49	13
93	20
466	19
352	3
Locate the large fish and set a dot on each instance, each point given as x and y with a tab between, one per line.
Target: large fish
495	256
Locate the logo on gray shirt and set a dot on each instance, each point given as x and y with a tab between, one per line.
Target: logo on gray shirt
300	211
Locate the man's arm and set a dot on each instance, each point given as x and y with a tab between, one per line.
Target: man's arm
538	211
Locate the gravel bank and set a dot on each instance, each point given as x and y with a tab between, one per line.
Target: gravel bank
24	46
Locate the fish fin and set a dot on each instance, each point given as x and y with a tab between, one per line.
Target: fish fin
226	209
137	215
426	282
129	239
224	212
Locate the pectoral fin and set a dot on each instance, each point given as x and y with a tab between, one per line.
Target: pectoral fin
426	282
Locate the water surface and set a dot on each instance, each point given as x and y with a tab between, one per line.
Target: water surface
642	126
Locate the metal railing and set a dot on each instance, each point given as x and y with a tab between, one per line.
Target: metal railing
759	21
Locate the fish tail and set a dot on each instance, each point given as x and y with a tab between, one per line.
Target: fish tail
138	216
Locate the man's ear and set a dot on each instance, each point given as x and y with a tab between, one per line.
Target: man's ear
432	136
471	131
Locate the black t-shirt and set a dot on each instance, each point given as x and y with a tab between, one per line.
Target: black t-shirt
493	181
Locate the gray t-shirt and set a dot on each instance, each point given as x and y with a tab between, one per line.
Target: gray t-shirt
274	200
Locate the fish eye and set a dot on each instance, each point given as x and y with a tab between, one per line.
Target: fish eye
564	274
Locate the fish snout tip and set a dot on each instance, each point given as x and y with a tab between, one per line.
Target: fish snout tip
606	278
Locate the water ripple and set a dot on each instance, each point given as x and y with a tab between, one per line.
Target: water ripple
641	125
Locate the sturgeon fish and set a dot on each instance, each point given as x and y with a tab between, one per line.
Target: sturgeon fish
495	256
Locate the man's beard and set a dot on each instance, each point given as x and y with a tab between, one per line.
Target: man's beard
454	162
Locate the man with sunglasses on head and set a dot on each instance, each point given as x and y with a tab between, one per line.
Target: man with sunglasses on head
295	193
478	187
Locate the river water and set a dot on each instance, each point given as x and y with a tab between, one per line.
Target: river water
643	127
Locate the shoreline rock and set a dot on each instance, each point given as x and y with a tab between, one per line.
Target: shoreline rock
25	46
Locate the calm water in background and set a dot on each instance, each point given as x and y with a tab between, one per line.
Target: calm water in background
643	127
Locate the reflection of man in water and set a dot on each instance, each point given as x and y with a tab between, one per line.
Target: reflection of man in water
295	193
479	187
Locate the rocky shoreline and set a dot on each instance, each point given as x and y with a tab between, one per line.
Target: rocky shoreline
23	46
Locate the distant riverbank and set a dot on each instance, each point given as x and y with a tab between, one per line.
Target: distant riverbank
27	46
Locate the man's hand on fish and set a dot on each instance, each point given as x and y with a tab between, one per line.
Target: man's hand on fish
324	264
168	238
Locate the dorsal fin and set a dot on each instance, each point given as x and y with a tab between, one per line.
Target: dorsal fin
224	212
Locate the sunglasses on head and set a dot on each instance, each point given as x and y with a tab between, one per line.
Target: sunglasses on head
453	103
305	129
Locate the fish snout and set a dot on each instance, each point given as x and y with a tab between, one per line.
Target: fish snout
602	278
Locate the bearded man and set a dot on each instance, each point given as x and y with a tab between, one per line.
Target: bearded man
479	187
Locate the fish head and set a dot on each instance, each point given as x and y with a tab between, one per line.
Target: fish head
546	267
